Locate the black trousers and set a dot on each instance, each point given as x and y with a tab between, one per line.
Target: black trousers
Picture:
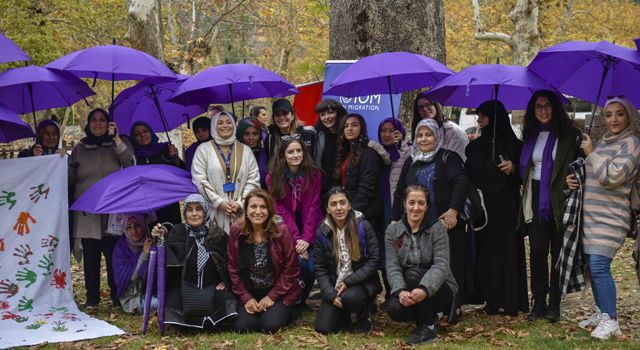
269	321
92	251
423	312
543	239
356	299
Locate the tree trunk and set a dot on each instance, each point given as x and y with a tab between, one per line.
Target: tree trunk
360	28
144	27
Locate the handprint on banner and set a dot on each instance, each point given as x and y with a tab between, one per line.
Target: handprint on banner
59	279
1	244
70	316
25	304
50	243
39	191
4	305
58	326
8	288
33	326
22	223
60	309
26	275
47	315
23	252
8	198
46	263
7	315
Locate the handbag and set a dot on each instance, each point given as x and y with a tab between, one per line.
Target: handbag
196	301
475	211
634	199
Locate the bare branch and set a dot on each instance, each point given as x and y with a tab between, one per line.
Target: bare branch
566	17
221	17
492	36
172	31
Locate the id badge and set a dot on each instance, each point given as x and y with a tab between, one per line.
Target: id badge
229	187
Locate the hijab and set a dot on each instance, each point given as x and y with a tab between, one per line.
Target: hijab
416	153
136	245
92	139
632	112
40	130
198	233
393	148
214	132
246	123
152	149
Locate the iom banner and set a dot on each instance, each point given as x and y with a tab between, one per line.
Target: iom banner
374	108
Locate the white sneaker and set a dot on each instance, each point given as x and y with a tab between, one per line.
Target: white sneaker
591	321
606	328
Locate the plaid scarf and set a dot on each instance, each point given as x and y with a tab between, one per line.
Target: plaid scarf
571	263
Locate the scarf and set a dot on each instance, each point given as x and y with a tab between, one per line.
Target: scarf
92	139
136	246
199	233
152	149
393	148
295	183
417	154
214	131
40	130
545	211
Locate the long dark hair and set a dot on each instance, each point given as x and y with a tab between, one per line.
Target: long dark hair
351	239
330	105
279	169
439	118
559	117
350	149
270	226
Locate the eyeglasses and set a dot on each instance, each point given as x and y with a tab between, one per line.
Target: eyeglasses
425	106
544	106
289	138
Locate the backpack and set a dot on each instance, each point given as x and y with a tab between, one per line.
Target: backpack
475	212
362	237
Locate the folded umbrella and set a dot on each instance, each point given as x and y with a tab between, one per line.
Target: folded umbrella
161	278
151	277
10	51
12	127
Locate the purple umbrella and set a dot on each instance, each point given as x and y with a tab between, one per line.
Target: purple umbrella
229	83
512	85
10	52
12	127
151	277
388	73
590	70
147	101
33	88
136	189
161	283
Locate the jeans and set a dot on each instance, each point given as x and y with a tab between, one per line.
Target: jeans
602	284
307	275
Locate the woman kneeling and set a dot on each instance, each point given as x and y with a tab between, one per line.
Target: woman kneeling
418	268
263	266
347	256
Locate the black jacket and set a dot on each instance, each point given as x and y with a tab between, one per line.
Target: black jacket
451	183
363	184
365	271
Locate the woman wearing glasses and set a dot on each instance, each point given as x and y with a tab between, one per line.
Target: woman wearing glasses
294	182
452	136
224	171
550	144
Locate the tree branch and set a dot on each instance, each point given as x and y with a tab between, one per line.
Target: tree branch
221	17
566	16
490	36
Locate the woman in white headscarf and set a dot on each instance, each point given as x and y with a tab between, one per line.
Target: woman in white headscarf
224	171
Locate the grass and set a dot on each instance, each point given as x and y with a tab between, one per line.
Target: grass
476	331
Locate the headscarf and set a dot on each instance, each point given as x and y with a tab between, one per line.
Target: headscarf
136	245
214	132
393	148
608	137
417	154
199	233
246	123
152	149
497	113
92	139
40	130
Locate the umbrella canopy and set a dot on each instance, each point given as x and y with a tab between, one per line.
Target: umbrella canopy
590	70
512	85
148	101
388	73
136	189
229	83
10	51
33	88
112	62
12	127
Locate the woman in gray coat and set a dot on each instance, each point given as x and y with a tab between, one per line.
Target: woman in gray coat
97	155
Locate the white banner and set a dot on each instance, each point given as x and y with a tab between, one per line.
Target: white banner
36	291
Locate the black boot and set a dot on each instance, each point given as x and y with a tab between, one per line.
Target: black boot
553	310
539	309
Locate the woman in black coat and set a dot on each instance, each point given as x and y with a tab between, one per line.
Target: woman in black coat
500	267
442	173
346	258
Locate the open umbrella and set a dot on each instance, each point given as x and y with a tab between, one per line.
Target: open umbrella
12	127
148	101
512	85
230	83
33	88
388	73
590	70
10	51
112	62
136	189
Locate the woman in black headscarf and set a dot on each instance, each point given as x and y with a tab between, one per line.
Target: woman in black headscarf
500	268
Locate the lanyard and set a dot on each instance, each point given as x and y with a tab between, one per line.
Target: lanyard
227	160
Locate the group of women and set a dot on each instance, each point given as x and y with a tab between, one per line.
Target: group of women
281	206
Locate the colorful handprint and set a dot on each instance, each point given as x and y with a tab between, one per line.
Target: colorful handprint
59	279
56	309
8	198
26	275
38	191
4	305
70	316
58	326
23	252
22	223
50	243
33	326
8	288
25	304
46	263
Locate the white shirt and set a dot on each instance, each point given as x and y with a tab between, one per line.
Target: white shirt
538	152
